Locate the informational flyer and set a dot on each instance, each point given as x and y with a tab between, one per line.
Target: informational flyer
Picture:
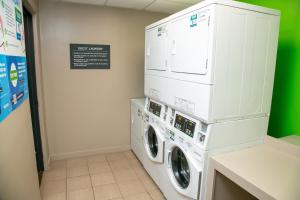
13	69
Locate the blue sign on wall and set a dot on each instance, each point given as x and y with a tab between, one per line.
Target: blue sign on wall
13	83
13	70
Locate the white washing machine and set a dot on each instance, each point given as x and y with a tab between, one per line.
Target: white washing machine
154	140
214	61
184	168
137	127
190	142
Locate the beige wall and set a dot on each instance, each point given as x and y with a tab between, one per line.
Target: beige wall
88	111
18	173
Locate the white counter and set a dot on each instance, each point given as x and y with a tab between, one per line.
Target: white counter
268	171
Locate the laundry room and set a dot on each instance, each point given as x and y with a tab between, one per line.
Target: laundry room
149	100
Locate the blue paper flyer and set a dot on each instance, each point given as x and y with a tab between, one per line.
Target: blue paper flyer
5	104
13	69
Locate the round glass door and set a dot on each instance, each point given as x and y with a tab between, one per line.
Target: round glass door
180	167
152	141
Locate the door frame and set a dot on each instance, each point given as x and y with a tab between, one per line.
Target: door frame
32	7
32	87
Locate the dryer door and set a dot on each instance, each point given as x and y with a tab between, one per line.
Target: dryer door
156	54
185	175
154	143
189	36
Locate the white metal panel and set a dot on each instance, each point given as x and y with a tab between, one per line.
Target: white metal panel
229	63
137	128
190	98
244	72
221	135
188	43
156	88
270	63
134	128
155	48
254	81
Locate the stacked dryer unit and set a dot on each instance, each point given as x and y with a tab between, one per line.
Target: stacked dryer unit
212	65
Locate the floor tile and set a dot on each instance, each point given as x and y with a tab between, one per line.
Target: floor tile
141	173
96	159
96	168
115	156
55	196
119	164
52	187
77	183
131	187
55	174
77	171
102	178
77	162
57	164
149	184
84	194
141	196
105	192
124	175
134	163
129	155
156	195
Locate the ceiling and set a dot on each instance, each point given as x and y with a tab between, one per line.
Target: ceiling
163	6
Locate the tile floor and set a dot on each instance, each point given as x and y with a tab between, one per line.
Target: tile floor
116	176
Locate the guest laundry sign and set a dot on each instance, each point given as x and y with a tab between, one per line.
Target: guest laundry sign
13	70
89	56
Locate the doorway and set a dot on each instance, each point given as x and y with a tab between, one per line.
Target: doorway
33	97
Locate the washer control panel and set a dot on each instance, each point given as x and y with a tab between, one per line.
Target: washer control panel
187	127
156	108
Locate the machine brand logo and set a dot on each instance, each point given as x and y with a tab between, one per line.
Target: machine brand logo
193	20
159	30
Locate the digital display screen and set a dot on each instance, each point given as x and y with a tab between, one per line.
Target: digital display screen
185	125
155	108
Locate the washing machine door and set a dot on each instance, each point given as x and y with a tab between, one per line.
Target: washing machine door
183	172
154	143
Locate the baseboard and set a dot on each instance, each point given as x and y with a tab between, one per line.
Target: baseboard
47	166
89	152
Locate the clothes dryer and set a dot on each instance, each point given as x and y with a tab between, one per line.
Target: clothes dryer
214	61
